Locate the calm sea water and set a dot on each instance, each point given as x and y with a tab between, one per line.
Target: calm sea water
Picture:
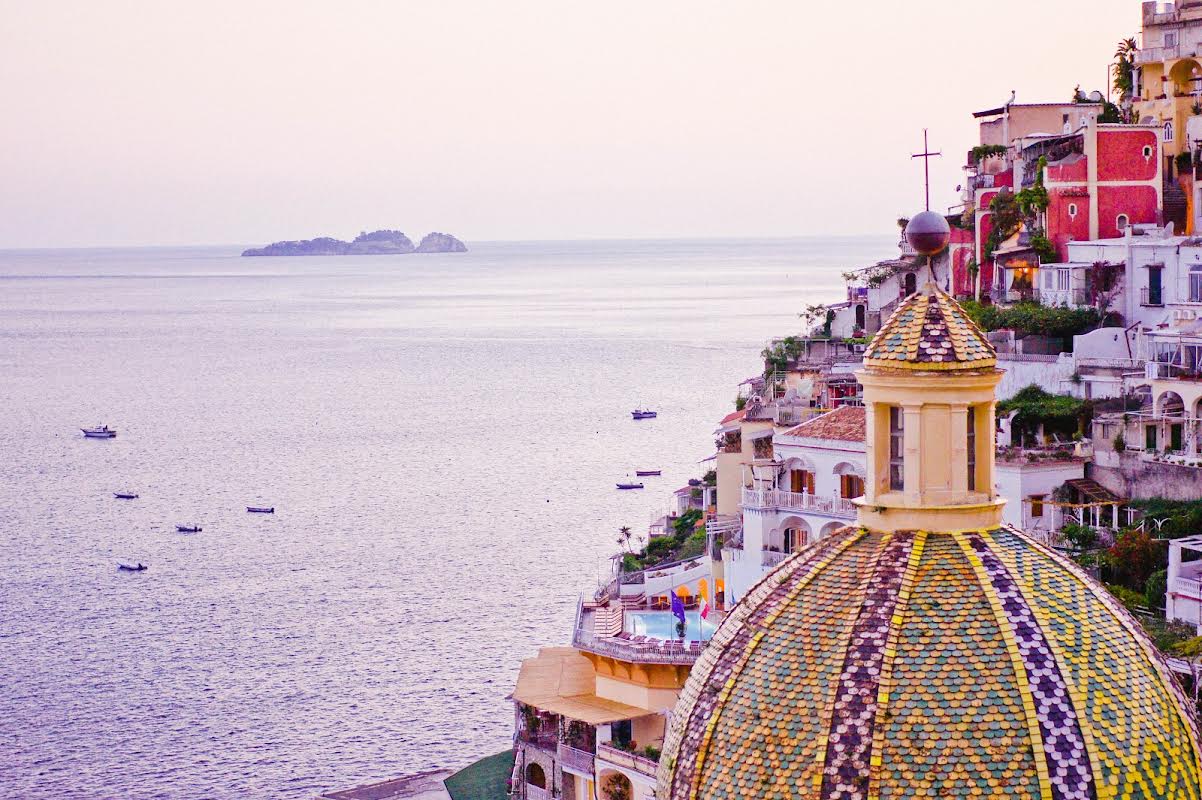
440	436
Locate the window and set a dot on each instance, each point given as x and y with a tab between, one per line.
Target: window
1147	151
1170	39
850	486
1155	284
801	481
1150	438
897	449
1072	210
1049	279
1168	131
1195	283
1121	222
1037	505
972	449
1062	280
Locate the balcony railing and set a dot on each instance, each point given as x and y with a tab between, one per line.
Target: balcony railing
799	501
623	758
581	760
535	793
771	559
1189	587
1151	297
648	651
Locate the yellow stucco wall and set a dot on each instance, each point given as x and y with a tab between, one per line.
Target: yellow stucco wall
935	407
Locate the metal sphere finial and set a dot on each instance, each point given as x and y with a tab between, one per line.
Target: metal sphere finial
928	233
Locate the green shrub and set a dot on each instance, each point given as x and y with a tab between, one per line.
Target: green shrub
1033	318
1156	588
1128	597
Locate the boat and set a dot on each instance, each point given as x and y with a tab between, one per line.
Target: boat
99	432
261	509
188	528
630	486
129	568
639	413
643	473
125	495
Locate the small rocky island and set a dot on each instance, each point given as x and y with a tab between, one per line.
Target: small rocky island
376	243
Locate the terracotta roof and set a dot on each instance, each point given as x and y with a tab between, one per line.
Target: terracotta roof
930	331
732	417
972	663
845	424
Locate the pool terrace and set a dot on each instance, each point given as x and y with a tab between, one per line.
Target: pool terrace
636	634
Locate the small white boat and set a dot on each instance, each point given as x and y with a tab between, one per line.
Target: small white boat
100	432
639	413
261	509
630	486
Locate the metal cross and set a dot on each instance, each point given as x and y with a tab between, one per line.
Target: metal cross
926	155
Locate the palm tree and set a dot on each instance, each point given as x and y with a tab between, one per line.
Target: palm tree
1124	68
624	534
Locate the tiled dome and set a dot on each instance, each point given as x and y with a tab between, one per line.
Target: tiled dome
915	665
930	331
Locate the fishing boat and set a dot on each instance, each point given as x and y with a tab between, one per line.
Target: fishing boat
630	486
639	413
100	432
261	509
125	495
188	528
132	568
643	473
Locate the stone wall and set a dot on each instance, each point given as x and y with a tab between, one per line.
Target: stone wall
1137	479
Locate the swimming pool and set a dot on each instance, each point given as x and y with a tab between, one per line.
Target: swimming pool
662	625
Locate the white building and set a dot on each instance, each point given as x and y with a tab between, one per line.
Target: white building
804	494
1183	602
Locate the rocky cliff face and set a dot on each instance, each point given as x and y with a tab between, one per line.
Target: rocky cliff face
441	243
385	242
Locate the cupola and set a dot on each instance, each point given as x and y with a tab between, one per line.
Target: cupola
929	379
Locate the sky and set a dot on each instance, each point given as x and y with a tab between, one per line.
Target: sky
172	123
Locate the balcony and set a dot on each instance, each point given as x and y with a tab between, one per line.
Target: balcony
623	758
1153	298
535	793
579	760
780	500
771	558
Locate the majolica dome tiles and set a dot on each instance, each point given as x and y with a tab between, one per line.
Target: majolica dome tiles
913	665
930	331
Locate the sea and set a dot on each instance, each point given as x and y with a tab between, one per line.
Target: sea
440	437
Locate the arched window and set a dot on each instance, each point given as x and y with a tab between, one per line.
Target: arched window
1072	210
1121	222
1168	131
1147	151
971	447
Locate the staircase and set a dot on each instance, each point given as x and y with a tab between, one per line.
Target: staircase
1176	207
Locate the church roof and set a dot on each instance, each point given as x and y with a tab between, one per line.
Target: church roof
914	665
930	331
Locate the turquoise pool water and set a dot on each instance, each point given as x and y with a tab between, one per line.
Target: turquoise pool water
662	625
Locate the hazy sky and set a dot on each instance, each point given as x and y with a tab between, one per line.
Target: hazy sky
165	122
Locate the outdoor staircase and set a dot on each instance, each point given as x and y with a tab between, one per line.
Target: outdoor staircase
1176	205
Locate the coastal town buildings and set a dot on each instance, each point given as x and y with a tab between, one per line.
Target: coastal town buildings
943	664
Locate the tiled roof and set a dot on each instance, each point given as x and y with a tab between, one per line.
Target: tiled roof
930	331
845	424
732	417
915	665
